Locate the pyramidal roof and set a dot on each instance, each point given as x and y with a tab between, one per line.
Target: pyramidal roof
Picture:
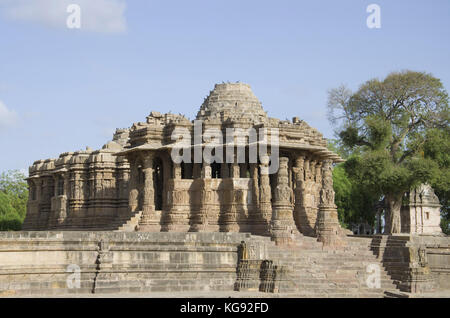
232	100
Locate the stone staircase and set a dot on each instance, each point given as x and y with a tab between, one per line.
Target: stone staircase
311	271
122	223
129	225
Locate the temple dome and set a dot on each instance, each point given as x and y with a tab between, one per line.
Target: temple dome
232	100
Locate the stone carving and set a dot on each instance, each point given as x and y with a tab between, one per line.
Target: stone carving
243	251
327	192
133	199
248	275
419	277
328	229
255	273
271	275
283	226
62	215
283	192
423	260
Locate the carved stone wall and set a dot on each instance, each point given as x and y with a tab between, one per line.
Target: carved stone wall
79	190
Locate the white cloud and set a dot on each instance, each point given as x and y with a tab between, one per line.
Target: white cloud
8	117
105	16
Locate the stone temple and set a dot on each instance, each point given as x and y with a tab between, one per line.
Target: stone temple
129	218
133	183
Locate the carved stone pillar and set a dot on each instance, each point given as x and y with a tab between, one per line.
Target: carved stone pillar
283	228
32	208
98	186
38	183
54	209
229	217
255	183
305	209
66	187
253	220
328	229
133	195
45	207
200	218
65	199
75	202
123	192
317	186
59	202
307	169
150	221
265	197
318	174
176	218
312	168
56	187
75	180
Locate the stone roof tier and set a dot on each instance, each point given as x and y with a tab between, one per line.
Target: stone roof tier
232	100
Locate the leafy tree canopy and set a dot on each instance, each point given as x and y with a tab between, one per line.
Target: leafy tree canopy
355	203
13	200
390	126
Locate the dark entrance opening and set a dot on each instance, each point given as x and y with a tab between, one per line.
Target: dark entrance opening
158	183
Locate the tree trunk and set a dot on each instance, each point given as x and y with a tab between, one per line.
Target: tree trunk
393	207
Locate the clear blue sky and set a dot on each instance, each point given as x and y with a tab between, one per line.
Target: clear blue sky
64	89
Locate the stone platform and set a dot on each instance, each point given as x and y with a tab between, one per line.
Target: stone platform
140	264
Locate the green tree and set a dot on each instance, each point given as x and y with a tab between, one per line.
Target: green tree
388	125
5	205
355	203
13	200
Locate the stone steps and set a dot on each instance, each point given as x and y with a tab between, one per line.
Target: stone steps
130	224
314	292
180	262
330	273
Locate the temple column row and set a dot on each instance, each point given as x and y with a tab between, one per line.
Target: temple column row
276	218
308	181
204	216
